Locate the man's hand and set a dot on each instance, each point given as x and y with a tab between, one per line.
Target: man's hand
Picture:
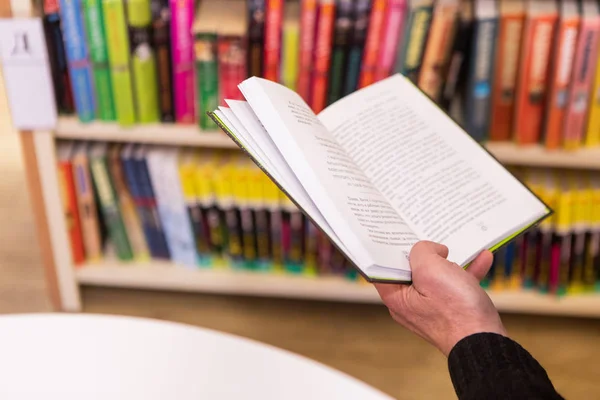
445	303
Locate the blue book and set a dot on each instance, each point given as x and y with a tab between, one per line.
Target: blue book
358	37
80	68
479	85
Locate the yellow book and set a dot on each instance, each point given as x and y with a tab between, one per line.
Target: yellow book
243	193
291	45
593	236
580	206
272	201
549	195
226	177
559	279
592	138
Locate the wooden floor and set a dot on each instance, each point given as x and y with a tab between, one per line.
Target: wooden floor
358	339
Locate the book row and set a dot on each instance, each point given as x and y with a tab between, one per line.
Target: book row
562	254
197	209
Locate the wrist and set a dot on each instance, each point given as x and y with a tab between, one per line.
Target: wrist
465	331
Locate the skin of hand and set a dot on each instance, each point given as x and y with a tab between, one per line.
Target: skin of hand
445	302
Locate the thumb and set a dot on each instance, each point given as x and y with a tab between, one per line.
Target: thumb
481	265
425	253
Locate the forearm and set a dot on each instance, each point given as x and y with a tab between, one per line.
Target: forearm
488	366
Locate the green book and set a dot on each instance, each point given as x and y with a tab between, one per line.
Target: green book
118	55
207	77
108	200
145	84
94	29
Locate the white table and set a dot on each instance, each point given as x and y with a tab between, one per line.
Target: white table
82	357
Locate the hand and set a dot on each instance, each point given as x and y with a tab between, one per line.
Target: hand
445	303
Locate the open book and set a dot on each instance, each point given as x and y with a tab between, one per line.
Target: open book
379	170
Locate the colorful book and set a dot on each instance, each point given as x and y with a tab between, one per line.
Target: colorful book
161	43
245	190
581	223
340	48
108	201
561	72
560	269
438	47
96	39
272	46
291	46
479	84
256	36
410	56
308	24
510	29
319	83
586	55
592	137
80	69
549	196
117	41
231	50
224	178
393	28
373	43
143	62
86	203
530	99
182	52
358	38
68	196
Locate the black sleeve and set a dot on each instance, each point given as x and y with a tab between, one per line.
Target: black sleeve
491	366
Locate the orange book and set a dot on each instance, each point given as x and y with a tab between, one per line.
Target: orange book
536	49
560	76
371	51
69	201
512	19
322	55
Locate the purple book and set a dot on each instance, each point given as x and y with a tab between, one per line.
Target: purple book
182	51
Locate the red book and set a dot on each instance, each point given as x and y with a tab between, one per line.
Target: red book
232	67
273	23
322	55
308	23
374	38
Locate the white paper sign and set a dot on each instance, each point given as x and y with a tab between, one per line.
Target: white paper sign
27	75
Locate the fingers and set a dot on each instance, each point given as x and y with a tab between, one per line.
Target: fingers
425	253
481	265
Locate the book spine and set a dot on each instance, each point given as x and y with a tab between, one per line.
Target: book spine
87	209
182	16
118	55
161	42
322	56
414	42
256	36
110	208
360	27
207	79
78	58
505	80
560	77
373	43
339	53
58	61
478	97
143	61
69	200
232	67
290	55
581	81
437	49
272	46
531	89
592	138
94	25
393	28
308	23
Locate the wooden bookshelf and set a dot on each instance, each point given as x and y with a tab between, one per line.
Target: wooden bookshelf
168	276
538	156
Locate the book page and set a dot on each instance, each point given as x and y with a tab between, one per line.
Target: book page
448	188
357	212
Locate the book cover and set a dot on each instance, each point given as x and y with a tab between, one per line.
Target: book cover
256	36
69	201
143	62
86	203
109	202
267	202
559	275
438	47
117	41
232	66
308	24
80	69
586	55
161	42
291	46
224	177
393	28
94	26
272	44
561	72
322	55
592	137
549	195
510	29
340	48
581	214
532	85
478	96
358	38
182	52
245	198
592	277
409	58
373	43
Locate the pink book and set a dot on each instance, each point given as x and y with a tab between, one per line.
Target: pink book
581	79
272	49
392	32
308	24
182	52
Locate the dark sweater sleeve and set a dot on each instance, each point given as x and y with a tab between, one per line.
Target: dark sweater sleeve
492	366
